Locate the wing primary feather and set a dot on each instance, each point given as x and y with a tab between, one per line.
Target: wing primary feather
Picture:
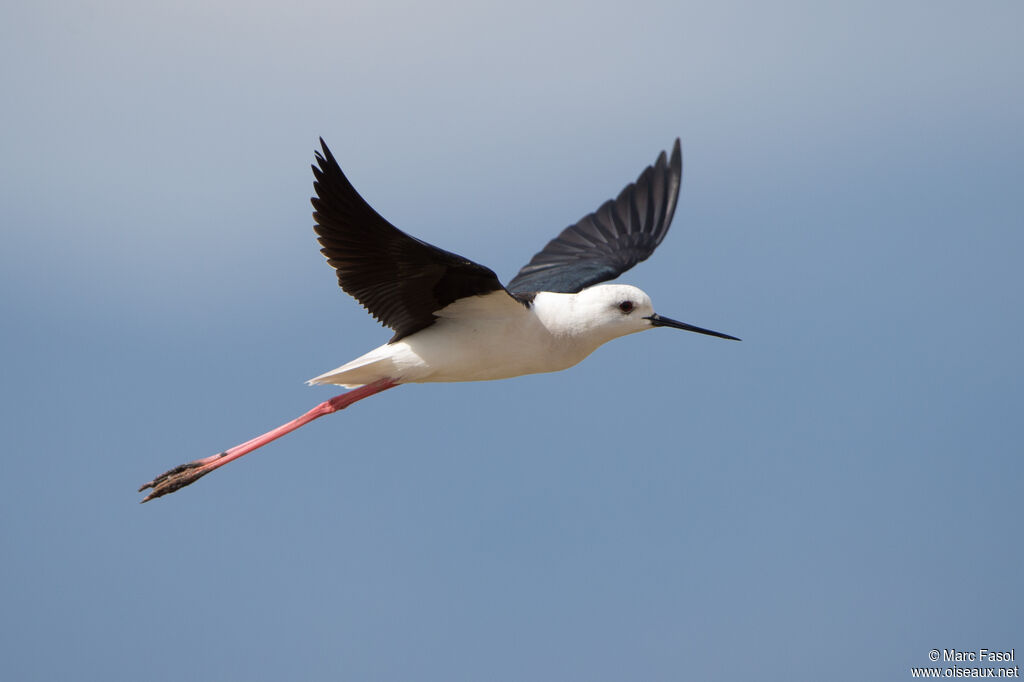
402	281
619	234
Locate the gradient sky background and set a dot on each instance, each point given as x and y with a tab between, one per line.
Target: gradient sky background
829	499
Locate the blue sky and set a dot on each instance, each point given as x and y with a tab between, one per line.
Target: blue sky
831	498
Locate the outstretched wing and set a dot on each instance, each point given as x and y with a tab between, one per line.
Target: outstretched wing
611	240
401	280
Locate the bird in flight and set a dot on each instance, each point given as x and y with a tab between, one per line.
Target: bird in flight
452	318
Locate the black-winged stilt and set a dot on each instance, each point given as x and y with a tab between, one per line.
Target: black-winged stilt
453	319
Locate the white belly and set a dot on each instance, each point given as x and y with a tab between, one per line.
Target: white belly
472	340
453	350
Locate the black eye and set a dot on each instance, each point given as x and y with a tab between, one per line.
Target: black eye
626	306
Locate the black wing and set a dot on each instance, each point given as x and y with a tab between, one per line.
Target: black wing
401	280
611	240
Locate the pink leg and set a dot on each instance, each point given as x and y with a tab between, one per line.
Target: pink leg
185	474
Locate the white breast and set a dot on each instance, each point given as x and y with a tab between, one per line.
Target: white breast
477	339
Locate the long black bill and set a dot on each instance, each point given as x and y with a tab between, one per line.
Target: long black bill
659	321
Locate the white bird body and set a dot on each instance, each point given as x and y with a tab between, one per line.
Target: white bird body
494	336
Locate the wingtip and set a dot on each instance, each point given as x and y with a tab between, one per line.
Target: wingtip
673	161
324	153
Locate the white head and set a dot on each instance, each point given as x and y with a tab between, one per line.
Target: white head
608	311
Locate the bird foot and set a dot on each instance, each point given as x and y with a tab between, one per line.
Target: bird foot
177	478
